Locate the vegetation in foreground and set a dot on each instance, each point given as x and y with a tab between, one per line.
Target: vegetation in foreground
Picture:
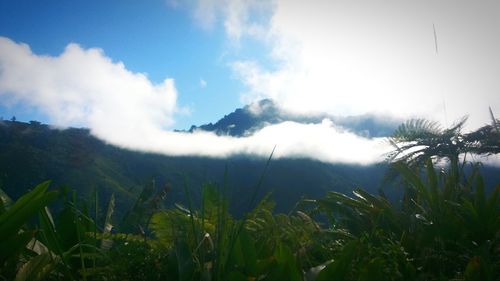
446	226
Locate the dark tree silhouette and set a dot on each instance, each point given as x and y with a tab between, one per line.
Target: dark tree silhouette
417	140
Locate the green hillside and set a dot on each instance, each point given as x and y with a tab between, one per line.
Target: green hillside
31	153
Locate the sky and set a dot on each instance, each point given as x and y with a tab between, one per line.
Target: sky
134	71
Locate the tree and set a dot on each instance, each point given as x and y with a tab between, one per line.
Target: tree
485	140
419	139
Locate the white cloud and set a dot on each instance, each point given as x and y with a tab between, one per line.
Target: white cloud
246	17
83	87
205	13
357	57
239	17
324	142
363	57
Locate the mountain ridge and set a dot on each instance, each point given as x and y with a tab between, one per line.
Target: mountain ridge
31	153
255	116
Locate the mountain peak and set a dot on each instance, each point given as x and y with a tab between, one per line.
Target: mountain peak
263	107
257	115
244	121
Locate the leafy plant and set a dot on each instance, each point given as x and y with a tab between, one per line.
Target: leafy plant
14	236
445	225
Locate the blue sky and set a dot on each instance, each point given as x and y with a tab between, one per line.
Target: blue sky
134	71
147	36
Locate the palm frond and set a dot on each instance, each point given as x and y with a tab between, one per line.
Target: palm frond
416	129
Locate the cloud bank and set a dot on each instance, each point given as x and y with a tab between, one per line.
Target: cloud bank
324	142
357	57
83	87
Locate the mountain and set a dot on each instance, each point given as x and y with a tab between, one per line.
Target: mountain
245	121
32	152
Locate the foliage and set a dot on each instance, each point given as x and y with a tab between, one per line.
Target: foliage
417	140
13	237
445	225
442	227
47	249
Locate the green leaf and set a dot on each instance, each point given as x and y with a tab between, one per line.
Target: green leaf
480	196
433	182
339	269
286	267
412	178
23	209
48	231
186	265
473	269
13	246
373	270
108	226
236	276
65	227
493	201
244	256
